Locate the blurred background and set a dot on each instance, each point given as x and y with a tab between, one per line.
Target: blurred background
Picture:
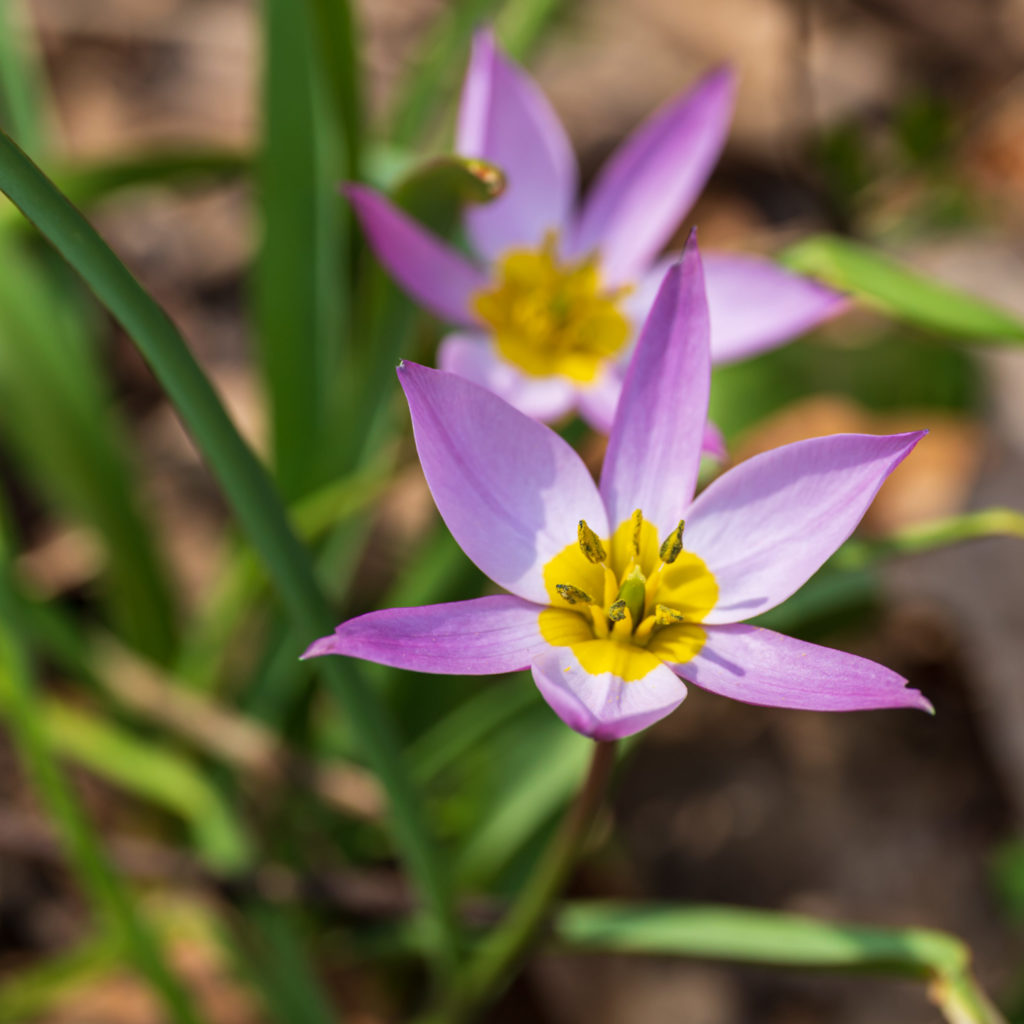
900	122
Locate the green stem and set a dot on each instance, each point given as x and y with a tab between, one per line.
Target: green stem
253	499
488	973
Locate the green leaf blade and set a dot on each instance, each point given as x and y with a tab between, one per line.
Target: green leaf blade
900	292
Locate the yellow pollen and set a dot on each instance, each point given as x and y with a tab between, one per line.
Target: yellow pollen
551	318
590	543
650	607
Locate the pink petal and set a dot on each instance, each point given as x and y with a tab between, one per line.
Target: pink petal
648	185
603	706
655	445
756	305
506	119
758	666
769	523
713	443
428	269
474	357
511	491
480	637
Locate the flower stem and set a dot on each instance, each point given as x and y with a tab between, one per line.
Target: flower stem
495	961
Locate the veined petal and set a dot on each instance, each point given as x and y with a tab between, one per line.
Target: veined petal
756	305
769	523
475	358
655	444
758	666
603	705
429	270
510	490
484	636
506	119
647	186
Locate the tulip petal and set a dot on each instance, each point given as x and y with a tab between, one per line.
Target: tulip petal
758	666
510	490
645	189
603	705
655	444
756	305
432	272
474	357
713	443
769	523
484	636
506	119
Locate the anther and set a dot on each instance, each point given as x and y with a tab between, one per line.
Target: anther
665	616
590	544
617	612
672	545
573	594
638	522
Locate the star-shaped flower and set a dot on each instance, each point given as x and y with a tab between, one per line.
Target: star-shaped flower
548	312
612	603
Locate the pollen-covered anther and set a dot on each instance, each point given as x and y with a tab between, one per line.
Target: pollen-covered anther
574	595
672	546
638	522
665	616
618	611
590	544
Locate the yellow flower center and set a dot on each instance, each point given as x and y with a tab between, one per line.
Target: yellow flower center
551	318
624	606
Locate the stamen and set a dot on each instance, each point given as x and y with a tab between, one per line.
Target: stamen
622	629
631	593
672	545
665	616
611	587
590	544
643	632
600	621
638	522
573	594
618	611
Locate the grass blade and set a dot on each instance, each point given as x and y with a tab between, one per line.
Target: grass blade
109	896
54	412
154	773
335	32
255	502
756	936
787	940
929	536
443	57
522	22
881	282
299	331
21	78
